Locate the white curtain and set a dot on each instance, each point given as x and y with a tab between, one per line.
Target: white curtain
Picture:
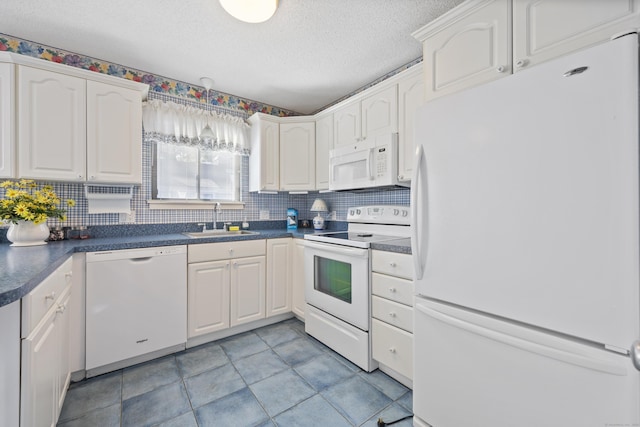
178	124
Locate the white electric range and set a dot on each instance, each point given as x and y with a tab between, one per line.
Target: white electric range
338	279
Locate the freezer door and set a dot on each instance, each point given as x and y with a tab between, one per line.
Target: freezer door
473	370
526	198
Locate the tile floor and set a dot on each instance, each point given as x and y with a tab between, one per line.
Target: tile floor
272	376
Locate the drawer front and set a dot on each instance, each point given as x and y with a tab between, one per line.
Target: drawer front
226	250
37	302
393	288
393	347
392	263
393	313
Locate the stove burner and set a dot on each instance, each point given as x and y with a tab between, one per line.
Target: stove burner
364	234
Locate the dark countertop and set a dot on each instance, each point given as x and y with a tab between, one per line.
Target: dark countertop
23	268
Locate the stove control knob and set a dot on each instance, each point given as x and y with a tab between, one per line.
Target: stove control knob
351	212
358	211
396	212
405	213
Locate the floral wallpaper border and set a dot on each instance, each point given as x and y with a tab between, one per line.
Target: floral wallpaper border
156	83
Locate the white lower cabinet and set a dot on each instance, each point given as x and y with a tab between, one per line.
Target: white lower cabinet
45	372
298	303
226	285
392	312
279	266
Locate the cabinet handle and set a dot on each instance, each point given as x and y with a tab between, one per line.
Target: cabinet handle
392	314
392	350
92	177
521	63
235	265
230	251
392	264
51	296
226	266
68	275
500	69
80	176
392	290
61	308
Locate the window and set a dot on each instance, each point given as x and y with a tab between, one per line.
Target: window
186	172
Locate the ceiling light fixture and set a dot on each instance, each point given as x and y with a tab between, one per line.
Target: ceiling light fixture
207	132
252	11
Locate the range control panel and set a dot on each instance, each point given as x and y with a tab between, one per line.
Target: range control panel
380	214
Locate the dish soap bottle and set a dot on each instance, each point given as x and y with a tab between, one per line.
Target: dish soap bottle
245	224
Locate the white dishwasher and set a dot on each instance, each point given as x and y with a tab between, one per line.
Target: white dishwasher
136	305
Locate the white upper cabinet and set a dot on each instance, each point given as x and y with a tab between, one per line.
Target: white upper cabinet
483	40
51	125
297	156
545	29
410	98
380	113
70	124
324	143
366	117
7	120
114	134
264	162
467	46
346	124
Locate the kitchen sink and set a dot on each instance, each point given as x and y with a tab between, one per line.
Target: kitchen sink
218	233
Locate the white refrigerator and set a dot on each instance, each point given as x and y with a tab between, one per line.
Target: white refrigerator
526	247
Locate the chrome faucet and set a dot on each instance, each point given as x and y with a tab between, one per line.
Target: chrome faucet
216	209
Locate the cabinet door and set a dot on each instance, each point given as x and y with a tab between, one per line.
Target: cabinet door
410	97
64	340
380	113
472	50
208	297
279	264
40	371
114	134
7	124
545	29
324	143
247	290
298	278
346	125
264	162
51	125
297	156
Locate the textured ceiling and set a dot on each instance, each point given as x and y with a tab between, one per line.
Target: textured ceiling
309	54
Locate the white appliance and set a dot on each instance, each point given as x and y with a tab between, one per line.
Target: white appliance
526	247
367	164
136	305
338	284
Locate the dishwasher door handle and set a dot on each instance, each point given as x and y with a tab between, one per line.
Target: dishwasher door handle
141	259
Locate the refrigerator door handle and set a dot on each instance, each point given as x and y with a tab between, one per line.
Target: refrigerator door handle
417	233
635	354
540	348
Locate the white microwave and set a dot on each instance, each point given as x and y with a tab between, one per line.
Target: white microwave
366	164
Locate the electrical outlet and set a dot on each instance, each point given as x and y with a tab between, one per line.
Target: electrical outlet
333	216
264	214
127	218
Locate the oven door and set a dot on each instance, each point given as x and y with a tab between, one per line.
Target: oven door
337	281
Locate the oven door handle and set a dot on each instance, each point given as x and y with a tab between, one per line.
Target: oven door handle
339	249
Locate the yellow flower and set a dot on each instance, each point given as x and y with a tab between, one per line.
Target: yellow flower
39	219
21	209
11	193
71	203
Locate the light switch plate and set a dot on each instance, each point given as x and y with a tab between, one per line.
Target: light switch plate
127	218
264	214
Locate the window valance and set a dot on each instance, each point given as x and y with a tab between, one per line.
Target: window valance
177	124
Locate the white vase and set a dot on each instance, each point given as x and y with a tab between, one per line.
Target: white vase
27	233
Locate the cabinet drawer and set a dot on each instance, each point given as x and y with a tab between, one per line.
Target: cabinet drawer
393	288
37	302
393	313
392	263
226	250
393	347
